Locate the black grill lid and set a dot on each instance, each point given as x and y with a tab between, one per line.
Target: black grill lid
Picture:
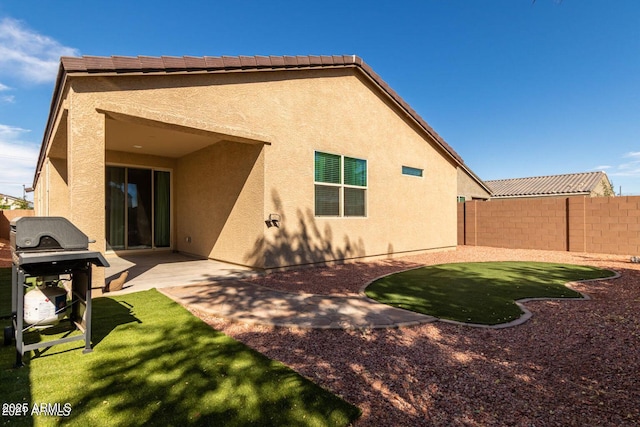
34	233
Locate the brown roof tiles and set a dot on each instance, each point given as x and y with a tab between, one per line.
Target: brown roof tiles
574	183
151	63
169	64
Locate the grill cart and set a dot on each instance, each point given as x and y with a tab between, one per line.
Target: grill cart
51	256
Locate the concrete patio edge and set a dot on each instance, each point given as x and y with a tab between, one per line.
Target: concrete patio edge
246	302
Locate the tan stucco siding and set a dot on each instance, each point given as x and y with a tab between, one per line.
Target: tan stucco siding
58	196
341	115
469	188
220	198
223	193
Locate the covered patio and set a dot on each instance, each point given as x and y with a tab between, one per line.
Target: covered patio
170	183
167	269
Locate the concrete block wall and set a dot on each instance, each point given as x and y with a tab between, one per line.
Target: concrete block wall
6	216
577	224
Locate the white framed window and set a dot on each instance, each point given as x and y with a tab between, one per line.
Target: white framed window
340	185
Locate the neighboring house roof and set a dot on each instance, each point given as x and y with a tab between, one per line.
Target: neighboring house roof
167	65
552	185
13	202
9	198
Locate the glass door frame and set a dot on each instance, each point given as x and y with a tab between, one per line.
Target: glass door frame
152	169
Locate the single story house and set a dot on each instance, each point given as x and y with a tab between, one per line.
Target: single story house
9	202
266	162
590	184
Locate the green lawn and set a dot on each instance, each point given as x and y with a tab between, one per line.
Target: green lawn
483	292
156	364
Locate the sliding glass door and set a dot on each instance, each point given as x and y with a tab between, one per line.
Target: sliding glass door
138	208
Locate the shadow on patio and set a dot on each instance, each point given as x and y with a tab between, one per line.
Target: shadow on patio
161	270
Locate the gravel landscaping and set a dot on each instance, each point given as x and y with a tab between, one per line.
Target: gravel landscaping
574	363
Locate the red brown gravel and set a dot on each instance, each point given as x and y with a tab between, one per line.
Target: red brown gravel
574	363
5	253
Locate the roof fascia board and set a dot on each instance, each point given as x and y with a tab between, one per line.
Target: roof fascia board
54	108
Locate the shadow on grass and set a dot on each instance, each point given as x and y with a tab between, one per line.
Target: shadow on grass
158	365
153	363
14	383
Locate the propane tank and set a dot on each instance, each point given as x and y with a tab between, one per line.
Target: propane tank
45	305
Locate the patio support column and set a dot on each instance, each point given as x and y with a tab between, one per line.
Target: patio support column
86	169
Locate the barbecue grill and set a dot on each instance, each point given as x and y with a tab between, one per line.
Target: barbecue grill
50	251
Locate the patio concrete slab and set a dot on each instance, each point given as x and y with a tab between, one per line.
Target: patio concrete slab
167	269
246	302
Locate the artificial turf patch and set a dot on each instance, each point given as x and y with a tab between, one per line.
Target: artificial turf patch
480	292
154	363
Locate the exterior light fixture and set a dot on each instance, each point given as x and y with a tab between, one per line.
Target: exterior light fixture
273	221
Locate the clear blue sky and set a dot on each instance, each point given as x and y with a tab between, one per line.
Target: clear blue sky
517	88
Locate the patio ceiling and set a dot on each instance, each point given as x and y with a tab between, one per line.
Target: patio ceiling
138	130
155	140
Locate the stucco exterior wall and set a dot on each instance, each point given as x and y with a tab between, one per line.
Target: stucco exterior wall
470	189
344	115
223	193
220	197
58	197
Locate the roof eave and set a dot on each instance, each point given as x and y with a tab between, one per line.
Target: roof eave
114	66
53	108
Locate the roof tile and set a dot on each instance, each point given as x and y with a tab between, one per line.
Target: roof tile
151	63
214	62
315	60
349	59
304	61
195	62
98	63
338	60
248	61
71	63
118	64
174	63
574	183
277	61
263	61
126	63
326	60
290	61
231	62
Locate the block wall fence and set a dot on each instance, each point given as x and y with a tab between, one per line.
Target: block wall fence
6	216
608	225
